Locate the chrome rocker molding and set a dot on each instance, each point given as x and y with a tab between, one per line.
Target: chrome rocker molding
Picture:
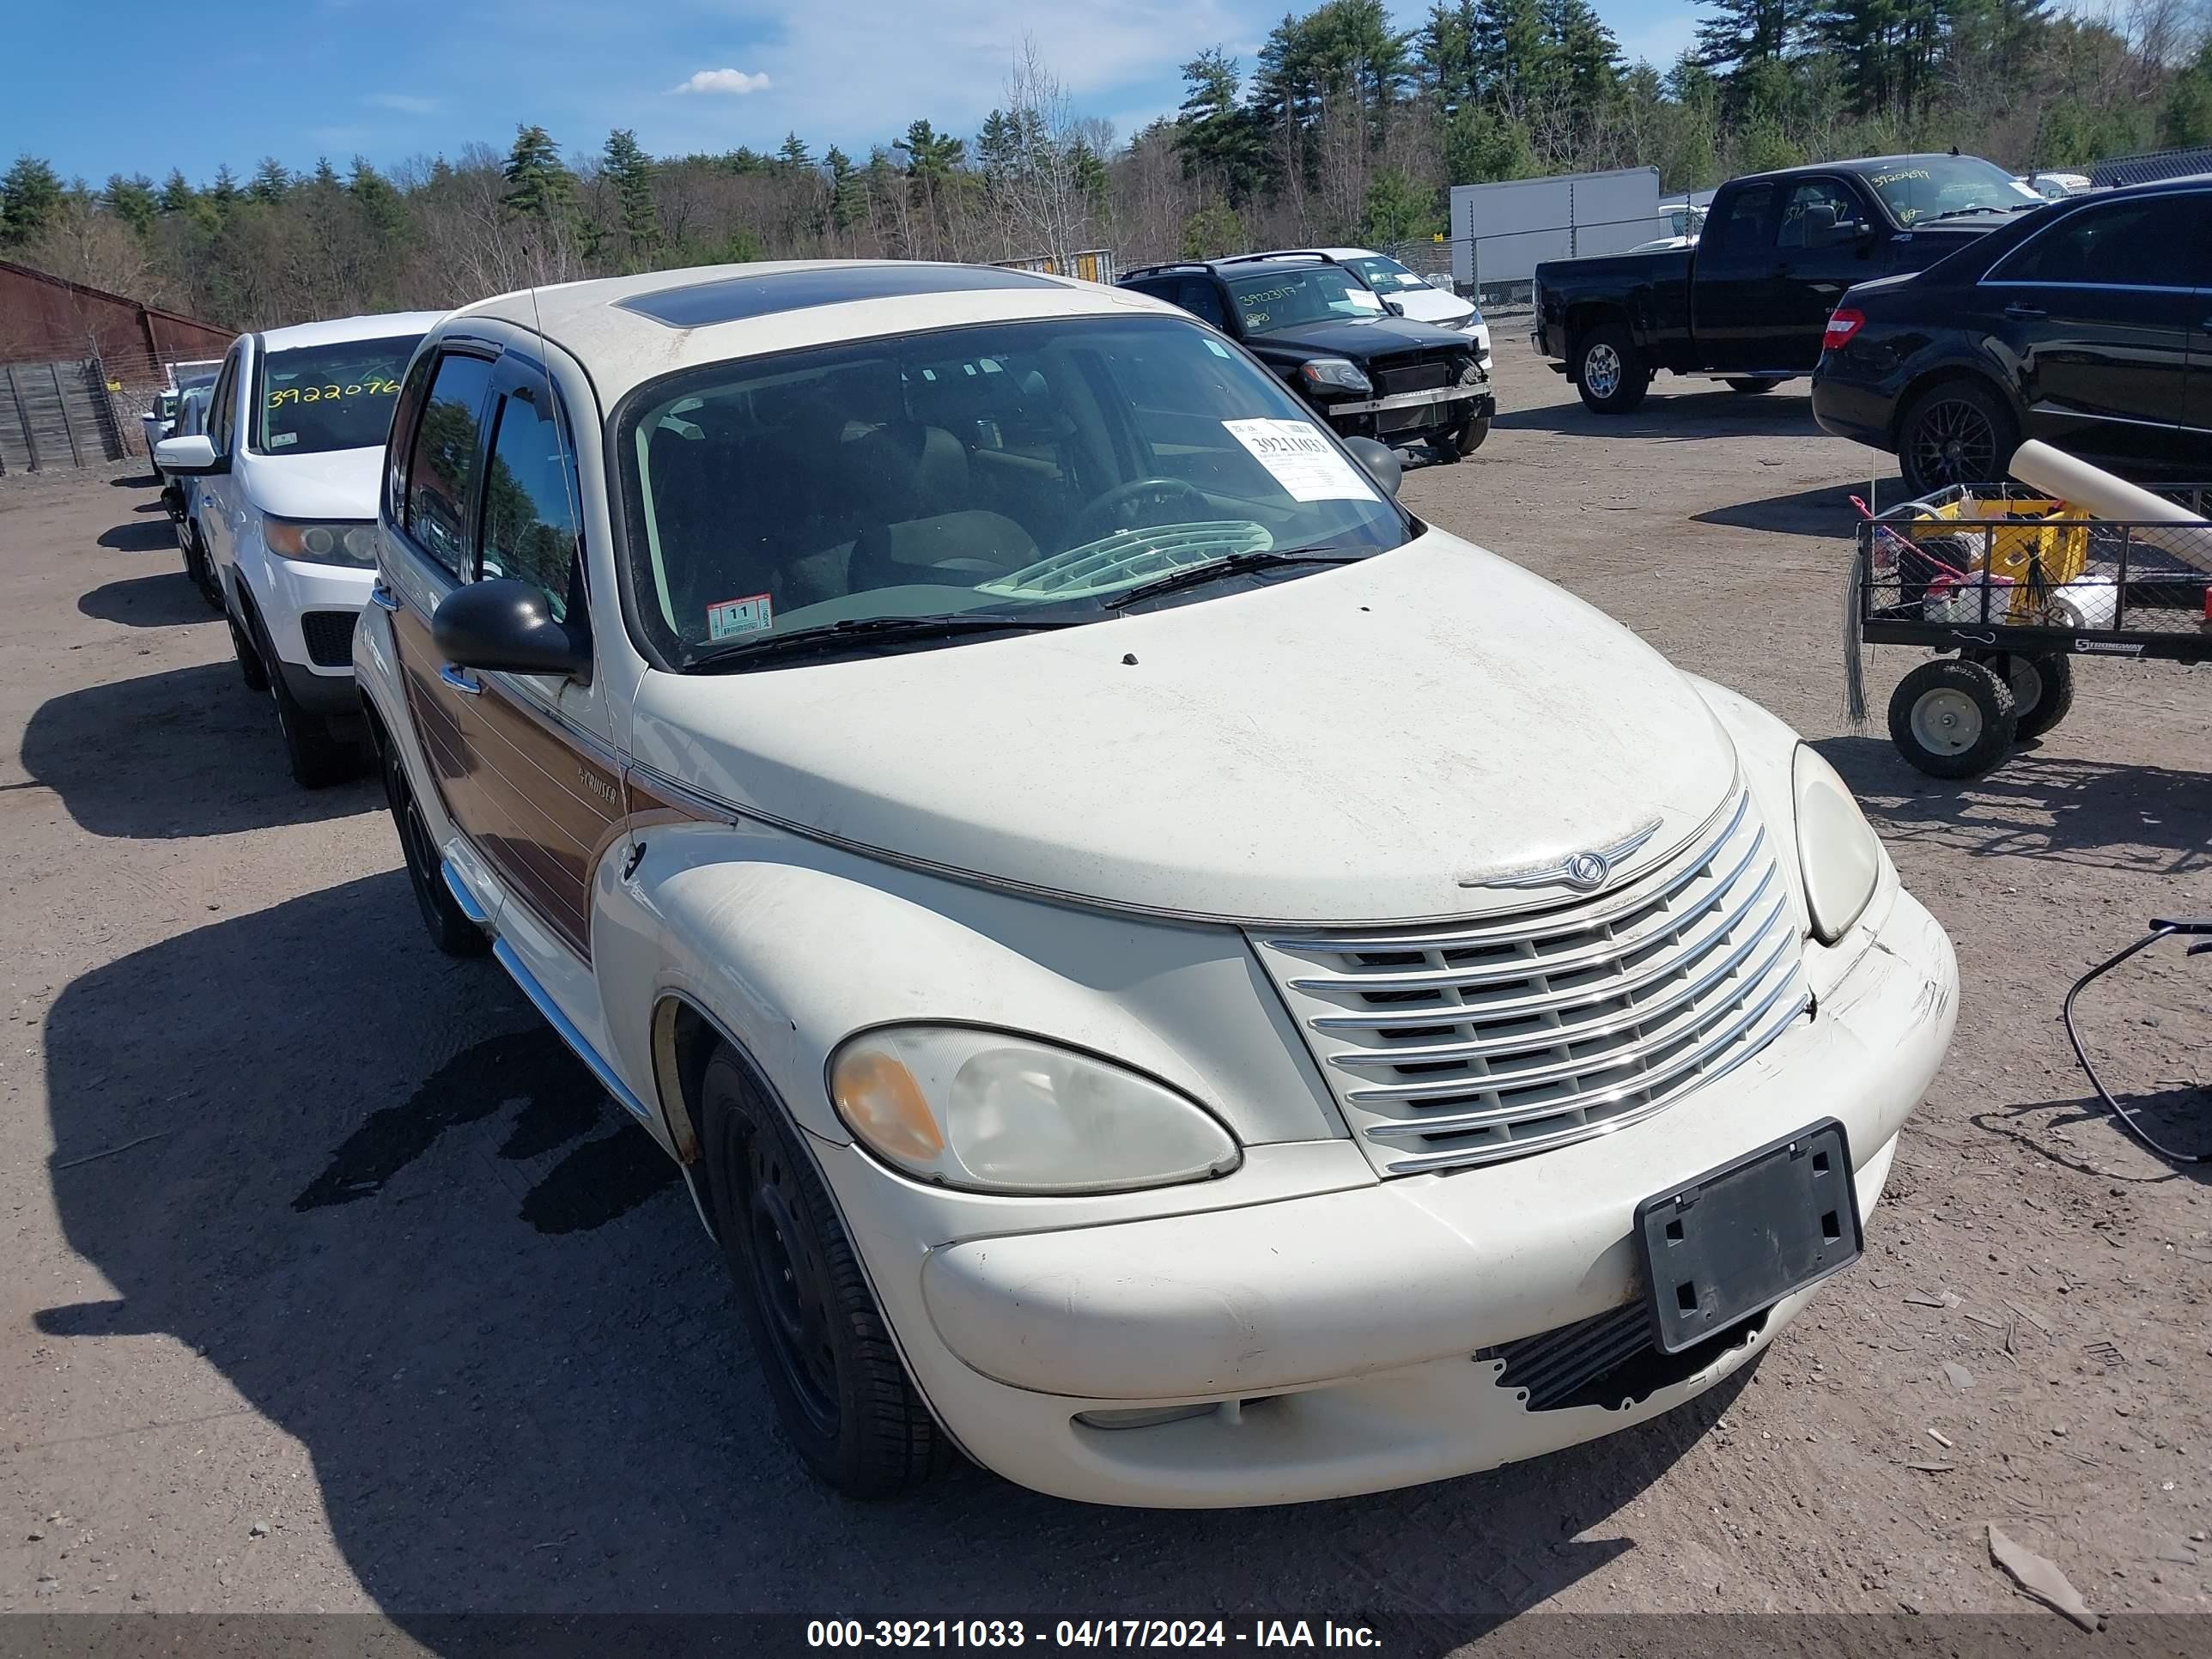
504	954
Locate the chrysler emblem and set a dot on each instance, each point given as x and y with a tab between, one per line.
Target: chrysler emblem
1585	872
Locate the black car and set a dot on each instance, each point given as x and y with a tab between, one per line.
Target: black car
1328	337
2087	324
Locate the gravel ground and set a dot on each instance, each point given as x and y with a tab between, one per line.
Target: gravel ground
330	1287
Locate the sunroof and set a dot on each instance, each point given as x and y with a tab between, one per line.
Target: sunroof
731	298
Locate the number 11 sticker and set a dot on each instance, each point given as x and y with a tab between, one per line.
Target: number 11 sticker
750	615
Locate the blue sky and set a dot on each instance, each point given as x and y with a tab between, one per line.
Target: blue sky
395	79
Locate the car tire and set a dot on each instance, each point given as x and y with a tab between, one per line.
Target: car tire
1956	432
201	568
2042	687
250	668
1952	718
1609	372
841	1393
318	757
451	930
1753	388
1470	436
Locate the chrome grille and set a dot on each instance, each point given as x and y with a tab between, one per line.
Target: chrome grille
1492	1039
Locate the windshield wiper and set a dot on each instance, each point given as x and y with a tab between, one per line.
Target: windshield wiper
865	632
1197	575
1960	213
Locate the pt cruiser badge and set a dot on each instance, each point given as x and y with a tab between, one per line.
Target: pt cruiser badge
1583	872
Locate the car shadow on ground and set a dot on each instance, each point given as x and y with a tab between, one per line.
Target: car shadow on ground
128	757
166	600
1676	417
136	480
146	535
405	1227
2150	819
1823	510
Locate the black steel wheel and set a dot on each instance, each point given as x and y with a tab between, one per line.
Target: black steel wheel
1609	372
2042	687
1956	433
1952	718
841	1394
1750	388
451	930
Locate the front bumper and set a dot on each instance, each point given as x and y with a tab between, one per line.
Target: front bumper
284	589
1408	417
1347	1323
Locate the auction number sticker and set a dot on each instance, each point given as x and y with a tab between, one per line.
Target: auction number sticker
1305	464
728	617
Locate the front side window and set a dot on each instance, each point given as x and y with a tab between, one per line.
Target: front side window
1386	275
1013	471
314	398
2156	243
441	464
1830	193
1291	298
1918	188
530	497
224	403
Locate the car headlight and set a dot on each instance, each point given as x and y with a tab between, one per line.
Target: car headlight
996	1112
1340	373
1837	852
319	544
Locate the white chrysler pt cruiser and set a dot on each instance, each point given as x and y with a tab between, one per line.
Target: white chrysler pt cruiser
1163	971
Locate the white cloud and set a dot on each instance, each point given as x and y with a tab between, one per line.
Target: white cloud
405	102
723	80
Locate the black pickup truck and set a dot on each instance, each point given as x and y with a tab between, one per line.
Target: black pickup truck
1749	303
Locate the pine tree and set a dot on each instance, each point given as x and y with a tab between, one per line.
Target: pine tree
381	204
794	154
270	181
630	169
176	196
1584	57
1748	33
1215	135
223	193
30	198
132	200
848	189
1512	57
539	184
1444	57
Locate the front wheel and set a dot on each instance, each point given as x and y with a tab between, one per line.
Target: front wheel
1958	432
451	930
1609	371
841	1394
1952	718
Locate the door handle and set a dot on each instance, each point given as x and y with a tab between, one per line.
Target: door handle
383	598
460	679
2020	313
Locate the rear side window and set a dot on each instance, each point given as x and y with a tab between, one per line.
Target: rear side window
1741	229
530	497
2158	243
442	465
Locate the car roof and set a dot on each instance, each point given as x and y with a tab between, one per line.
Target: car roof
341	331
627	329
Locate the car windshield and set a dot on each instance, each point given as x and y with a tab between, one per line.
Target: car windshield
1921	187
1028	471
314	398
1292	298
1386	275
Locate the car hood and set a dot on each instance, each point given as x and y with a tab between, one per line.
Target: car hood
1432	304
1358	338
337	484
1367	742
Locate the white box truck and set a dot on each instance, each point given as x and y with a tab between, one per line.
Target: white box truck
1501	232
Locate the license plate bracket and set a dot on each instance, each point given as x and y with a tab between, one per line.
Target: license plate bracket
1739	1238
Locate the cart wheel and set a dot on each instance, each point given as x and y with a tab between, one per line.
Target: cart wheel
1952	718
2042	687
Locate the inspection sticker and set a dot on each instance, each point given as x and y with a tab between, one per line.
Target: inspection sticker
750	615
1302	461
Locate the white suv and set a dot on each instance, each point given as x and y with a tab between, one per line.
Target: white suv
285	514
1162	970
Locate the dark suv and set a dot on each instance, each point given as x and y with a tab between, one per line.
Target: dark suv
2087	324
1326	335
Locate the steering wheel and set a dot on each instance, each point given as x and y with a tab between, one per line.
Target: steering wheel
1117	508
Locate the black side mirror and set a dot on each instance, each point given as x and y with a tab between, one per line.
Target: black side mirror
1396	307
505	625
1380	460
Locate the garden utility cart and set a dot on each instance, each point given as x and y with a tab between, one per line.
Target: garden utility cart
2013	585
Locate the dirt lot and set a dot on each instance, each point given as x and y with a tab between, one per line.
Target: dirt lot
330	1287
